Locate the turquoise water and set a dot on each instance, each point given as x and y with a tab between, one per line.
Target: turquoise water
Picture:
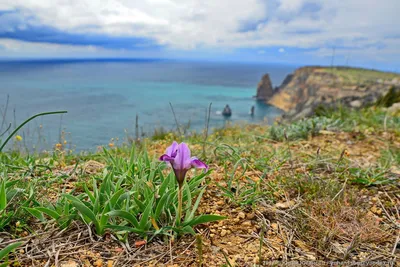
103	97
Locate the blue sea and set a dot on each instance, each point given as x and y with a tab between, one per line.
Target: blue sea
103	97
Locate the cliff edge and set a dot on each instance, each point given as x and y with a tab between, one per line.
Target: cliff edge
310	87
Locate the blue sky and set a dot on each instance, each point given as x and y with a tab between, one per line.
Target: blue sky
299	32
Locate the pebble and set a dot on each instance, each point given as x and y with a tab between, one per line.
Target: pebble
250	216
220	203
69	264
284	205
98	263
241	215
311	257
247	223
223	232
376	210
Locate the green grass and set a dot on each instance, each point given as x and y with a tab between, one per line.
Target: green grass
252	168
358	75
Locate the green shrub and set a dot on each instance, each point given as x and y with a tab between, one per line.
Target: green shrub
393	96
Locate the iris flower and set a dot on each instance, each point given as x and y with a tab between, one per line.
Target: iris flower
178	155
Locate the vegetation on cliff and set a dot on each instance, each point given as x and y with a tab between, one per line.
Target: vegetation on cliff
310	87
320	189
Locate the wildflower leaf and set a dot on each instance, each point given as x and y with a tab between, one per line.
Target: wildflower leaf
38	214
123	228
4	252
204	219
146	215
196	205
3	196
85	211
188	200
160	206
125	215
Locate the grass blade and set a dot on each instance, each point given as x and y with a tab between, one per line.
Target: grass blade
204	219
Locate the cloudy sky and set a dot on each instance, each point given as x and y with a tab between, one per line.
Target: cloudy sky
359	32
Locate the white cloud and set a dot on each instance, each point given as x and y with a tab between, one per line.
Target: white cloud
290	5
27	48
226	24
281	50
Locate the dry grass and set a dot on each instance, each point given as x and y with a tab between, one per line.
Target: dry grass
306	204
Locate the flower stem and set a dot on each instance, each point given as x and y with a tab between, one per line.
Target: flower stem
179	202
25	122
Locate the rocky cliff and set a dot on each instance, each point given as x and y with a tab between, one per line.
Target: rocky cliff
310	87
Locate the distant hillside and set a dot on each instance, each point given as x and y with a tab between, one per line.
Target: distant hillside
309	87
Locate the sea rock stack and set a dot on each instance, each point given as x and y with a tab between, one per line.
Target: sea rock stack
264	89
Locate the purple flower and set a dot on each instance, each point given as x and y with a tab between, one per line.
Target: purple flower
178	155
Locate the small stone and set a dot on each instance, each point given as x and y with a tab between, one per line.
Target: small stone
250	216
376	210
241	215
311	257
69	264
220	203
247	223
98	263
236	220
212	235
284	205
356	104
223	233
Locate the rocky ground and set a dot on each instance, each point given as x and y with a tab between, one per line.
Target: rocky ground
332	196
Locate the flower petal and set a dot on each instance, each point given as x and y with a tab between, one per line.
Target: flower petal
166	158
172	149
182	159
195	162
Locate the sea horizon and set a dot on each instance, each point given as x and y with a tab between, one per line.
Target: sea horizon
103	96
